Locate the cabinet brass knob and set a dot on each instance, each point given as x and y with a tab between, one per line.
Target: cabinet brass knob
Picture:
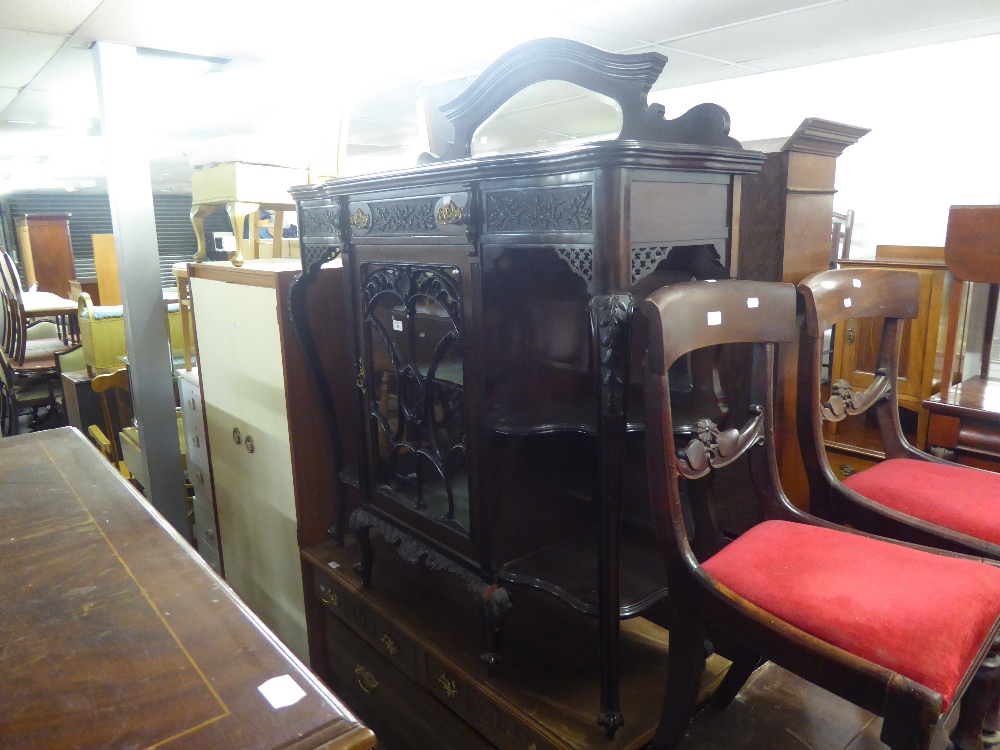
366	680
390	645
248	442
450	689
847	470
849	334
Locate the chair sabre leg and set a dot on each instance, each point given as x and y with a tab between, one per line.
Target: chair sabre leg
685	665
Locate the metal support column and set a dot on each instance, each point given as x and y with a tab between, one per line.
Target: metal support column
146	330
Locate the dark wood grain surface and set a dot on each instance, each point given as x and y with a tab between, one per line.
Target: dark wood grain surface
113	633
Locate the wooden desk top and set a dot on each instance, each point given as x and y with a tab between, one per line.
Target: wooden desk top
114	633
975	397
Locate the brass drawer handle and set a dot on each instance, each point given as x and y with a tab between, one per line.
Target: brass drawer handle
331	598
366	680
390	645
849	334
450	689
847	470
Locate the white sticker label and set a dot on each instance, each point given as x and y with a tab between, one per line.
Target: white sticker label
397	325
753	302
847	301
282	691
715	318
857	283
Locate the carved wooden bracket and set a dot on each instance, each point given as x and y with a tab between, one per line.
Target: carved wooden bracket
712	448
845	401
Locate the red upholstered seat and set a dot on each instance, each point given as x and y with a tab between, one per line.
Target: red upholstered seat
917	613
955	497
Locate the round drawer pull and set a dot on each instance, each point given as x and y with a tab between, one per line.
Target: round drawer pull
366	680
847	470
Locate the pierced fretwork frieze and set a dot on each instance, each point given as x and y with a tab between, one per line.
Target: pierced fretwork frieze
645	260
847	402
611	315
712	448
562	209
580	261
314	256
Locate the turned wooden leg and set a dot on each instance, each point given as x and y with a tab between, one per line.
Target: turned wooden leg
238	215
198	214
979	701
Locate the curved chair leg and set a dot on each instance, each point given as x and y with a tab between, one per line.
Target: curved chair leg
685	665
978	703
744	664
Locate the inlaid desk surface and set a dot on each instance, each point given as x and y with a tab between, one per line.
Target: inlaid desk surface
114	633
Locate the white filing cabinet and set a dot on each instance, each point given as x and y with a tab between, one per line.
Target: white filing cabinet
242	382
206	529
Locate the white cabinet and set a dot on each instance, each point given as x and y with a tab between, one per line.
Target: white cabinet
242	381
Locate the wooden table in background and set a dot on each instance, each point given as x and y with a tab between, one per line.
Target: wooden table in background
114	633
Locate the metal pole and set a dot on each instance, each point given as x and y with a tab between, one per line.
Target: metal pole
146	329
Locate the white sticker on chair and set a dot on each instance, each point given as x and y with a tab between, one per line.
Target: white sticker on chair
282	691
753	302
715	318
857	283
397	325
847	301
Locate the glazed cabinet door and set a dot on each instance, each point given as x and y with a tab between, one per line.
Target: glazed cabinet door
414	389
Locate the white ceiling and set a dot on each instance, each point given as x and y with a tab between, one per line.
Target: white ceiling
290	68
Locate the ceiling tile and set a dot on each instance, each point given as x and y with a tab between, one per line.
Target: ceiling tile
891	43
636	18
823	26
59	111
52	16
6	97
22	55
71	70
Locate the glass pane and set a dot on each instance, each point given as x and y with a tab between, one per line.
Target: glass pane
416	399
547	114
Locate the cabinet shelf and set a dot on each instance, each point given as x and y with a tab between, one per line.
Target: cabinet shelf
568	570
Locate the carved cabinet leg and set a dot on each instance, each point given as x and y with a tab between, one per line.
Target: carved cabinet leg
361	522
494	604
198	213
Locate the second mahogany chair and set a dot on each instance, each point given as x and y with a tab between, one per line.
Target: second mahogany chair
912	496
870	620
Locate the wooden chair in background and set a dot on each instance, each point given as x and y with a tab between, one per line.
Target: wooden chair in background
965	417
116	407
870	620
912	496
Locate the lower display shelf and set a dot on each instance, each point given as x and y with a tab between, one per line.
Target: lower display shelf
404	654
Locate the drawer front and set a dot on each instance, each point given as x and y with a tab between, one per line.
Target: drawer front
844	465
478	708
384	637
399	711
194	422
209	552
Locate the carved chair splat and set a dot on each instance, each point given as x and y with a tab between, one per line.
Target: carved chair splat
891	643
912	496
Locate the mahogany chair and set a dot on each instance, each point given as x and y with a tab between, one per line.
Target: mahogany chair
966	417
912	496
870	620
